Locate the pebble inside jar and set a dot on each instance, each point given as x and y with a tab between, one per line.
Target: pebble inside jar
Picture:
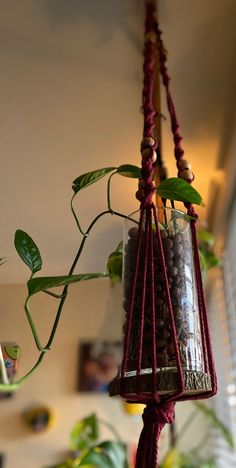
177	246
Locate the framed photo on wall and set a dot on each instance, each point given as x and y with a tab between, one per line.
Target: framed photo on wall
98	363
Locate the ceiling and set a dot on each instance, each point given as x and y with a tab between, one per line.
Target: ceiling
70	95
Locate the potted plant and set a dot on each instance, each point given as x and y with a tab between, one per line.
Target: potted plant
172	189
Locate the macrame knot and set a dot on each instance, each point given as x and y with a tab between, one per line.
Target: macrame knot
149	189
161	413
155	416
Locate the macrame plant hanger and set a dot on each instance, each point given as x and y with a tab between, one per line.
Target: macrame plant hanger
157	368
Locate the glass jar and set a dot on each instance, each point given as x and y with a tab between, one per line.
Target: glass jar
177	246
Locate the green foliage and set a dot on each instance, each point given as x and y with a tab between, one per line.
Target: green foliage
215	422
178	189
109	454
128	170
43	283
90	178
28	250
115	263
206	247
193	459
84	433
206	237
174	189
89	451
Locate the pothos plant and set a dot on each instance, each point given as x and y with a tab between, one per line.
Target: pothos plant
174	189
87	449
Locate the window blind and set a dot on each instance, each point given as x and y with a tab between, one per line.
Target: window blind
222	309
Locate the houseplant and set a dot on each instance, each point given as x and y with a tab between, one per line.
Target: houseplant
87	449
172	189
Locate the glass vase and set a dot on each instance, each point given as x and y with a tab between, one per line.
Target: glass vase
177	246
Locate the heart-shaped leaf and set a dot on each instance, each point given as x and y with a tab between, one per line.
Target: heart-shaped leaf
178	189
90	178
84	433
28	250
128	170
42	283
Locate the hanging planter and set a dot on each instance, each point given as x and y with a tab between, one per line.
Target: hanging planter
167	346
176	239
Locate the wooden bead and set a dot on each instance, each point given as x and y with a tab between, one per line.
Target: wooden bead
149	153
184	164
147	141
187	175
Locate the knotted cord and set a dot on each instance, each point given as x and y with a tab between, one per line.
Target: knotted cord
159	409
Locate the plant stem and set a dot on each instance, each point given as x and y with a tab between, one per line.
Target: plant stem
109	192
14	386
41	356
57	296
32	326
75	216
65	290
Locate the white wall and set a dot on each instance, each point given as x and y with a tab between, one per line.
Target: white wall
93	310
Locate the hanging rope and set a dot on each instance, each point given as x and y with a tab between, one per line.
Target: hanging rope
159	410
154	418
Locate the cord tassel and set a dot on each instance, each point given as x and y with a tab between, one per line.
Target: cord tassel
155	416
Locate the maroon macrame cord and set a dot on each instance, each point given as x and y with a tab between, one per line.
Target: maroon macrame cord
179	153
158	412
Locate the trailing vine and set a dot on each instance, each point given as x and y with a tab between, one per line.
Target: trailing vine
172	189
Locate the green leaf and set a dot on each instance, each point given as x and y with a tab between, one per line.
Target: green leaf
28	251
90	178
116	451
119	247
178	189
42	283
205	236
215	422
97	459
109	454
84	433
128	170
114	266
